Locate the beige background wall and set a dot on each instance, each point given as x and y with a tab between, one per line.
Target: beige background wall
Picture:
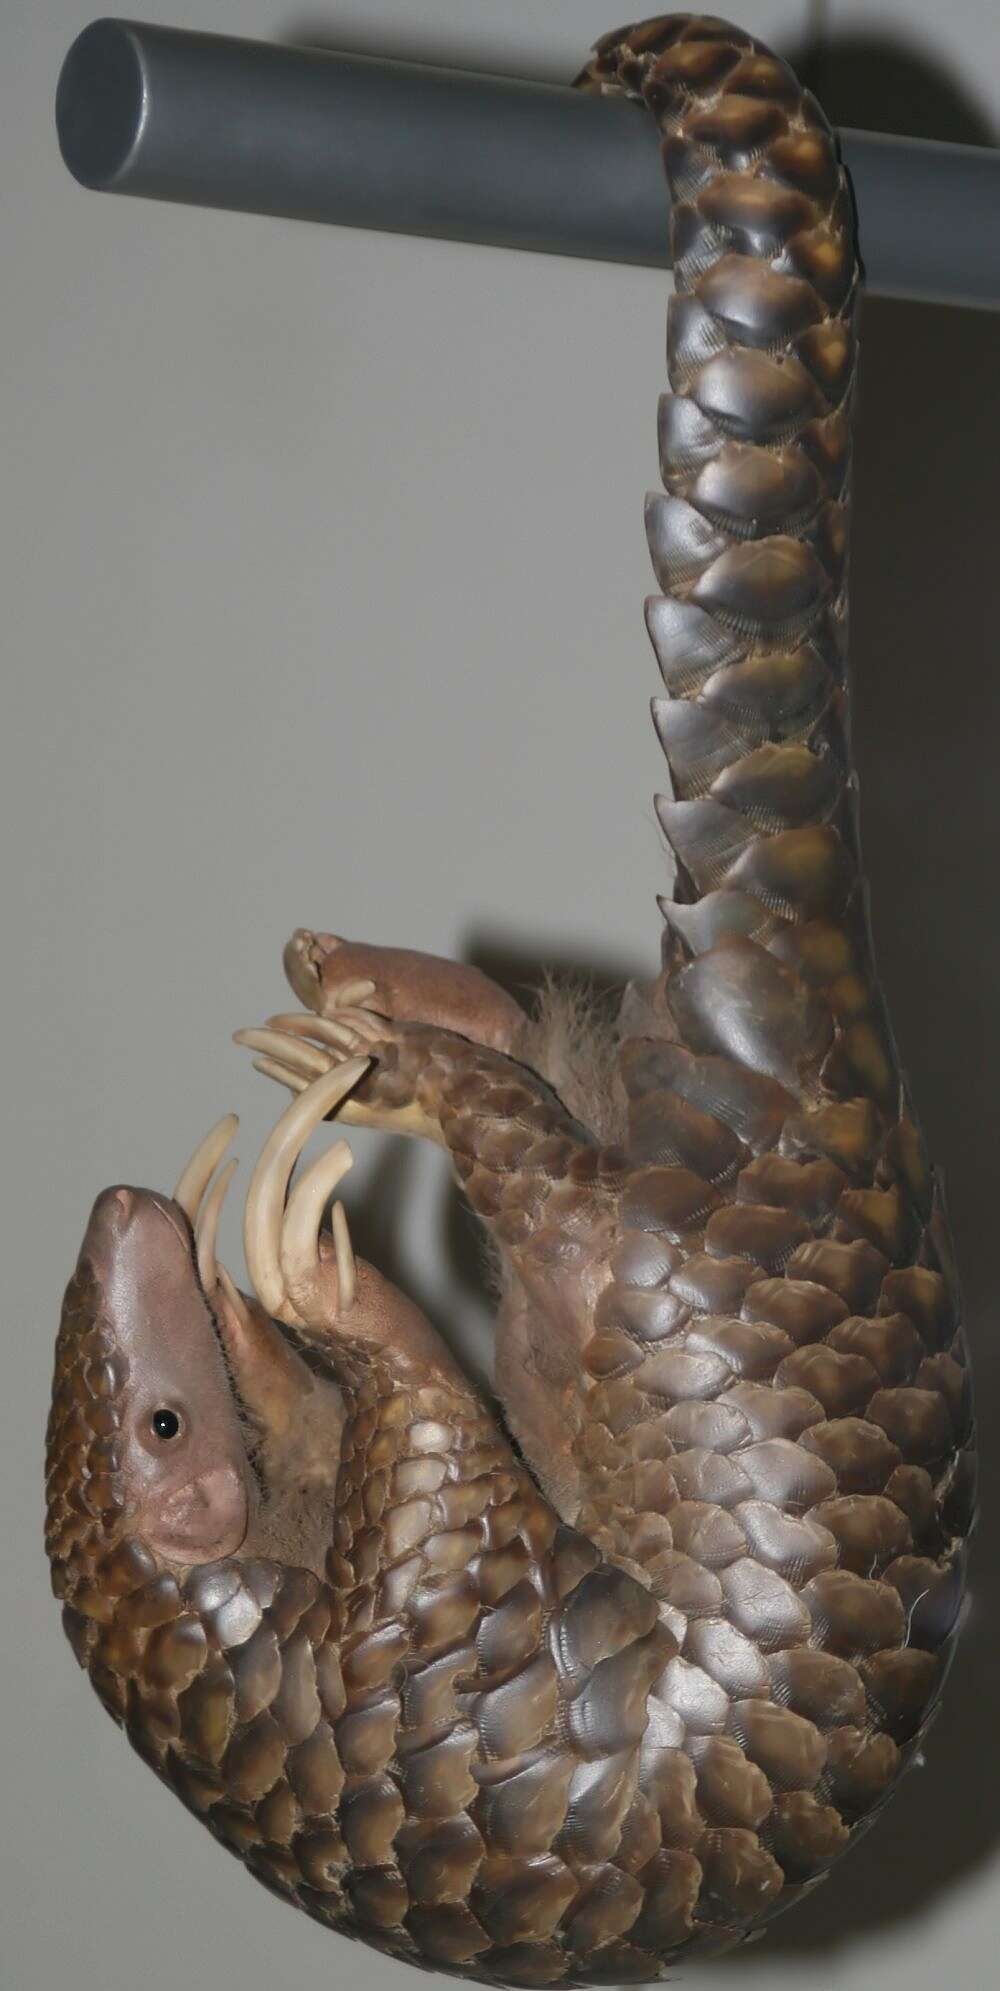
322	569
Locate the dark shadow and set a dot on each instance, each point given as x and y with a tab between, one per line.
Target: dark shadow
925	596
519	970
872	80
375	1230
349	31
875	82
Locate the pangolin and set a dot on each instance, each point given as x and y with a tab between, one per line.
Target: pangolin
561	1698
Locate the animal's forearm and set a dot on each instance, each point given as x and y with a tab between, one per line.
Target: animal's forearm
530	1171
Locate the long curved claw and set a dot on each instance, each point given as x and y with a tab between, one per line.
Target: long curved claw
345	1028
271	1068
265	1220
196	1176
346	1269
295	1048
300	1232
207	1227
350	993
304	1058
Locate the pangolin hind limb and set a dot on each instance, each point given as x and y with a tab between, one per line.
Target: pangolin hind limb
569	1727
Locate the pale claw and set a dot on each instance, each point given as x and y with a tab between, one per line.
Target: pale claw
201	1204
351	993
196	1176
305	1059
271	1068
349	1025
282	1245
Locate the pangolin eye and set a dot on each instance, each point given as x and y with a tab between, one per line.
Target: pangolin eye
165	1424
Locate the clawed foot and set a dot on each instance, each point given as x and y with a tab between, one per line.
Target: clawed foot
295	1048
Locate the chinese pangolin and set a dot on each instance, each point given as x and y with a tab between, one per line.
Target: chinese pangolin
561	1690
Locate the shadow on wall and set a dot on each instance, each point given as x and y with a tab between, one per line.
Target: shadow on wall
876	83
868	79
925	599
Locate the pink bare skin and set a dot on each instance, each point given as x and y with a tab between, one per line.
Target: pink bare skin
229	1440
413	987
190	1489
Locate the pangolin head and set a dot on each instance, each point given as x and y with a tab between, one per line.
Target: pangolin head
146	1448
190	1423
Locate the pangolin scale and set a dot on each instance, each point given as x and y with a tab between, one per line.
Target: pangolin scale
564	1710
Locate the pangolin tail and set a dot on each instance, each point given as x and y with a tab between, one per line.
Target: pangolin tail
782	1295
748	538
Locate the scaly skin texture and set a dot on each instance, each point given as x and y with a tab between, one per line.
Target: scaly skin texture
434	1742
569	1735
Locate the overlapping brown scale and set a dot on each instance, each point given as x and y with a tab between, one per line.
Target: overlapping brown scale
665	1128
680	540
719	916
736	128
754	303
773	589
751	1104
860	1454
693	336
773	694
688	439
755	398
697	743
689	646
711	1284
811	1188
739	1001
760	219
773	1410
805	1834
765	1235
750	492
827	444
824	257
707	838
779	786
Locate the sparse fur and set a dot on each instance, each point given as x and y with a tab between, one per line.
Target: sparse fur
573	1042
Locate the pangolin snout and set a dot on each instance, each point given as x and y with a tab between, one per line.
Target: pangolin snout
123	1217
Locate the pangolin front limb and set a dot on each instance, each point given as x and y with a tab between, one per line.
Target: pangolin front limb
571	1734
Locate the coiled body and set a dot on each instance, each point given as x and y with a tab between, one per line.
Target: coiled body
568	1716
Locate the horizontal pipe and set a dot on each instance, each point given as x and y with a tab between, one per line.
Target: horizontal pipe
264	129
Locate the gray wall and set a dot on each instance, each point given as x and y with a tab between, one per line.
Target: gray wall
322	571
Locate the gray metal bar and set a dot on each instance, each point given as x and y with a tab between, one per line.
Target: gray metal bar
217	122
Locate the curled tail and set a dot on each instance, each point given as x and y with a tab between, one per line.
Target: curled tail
748	542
